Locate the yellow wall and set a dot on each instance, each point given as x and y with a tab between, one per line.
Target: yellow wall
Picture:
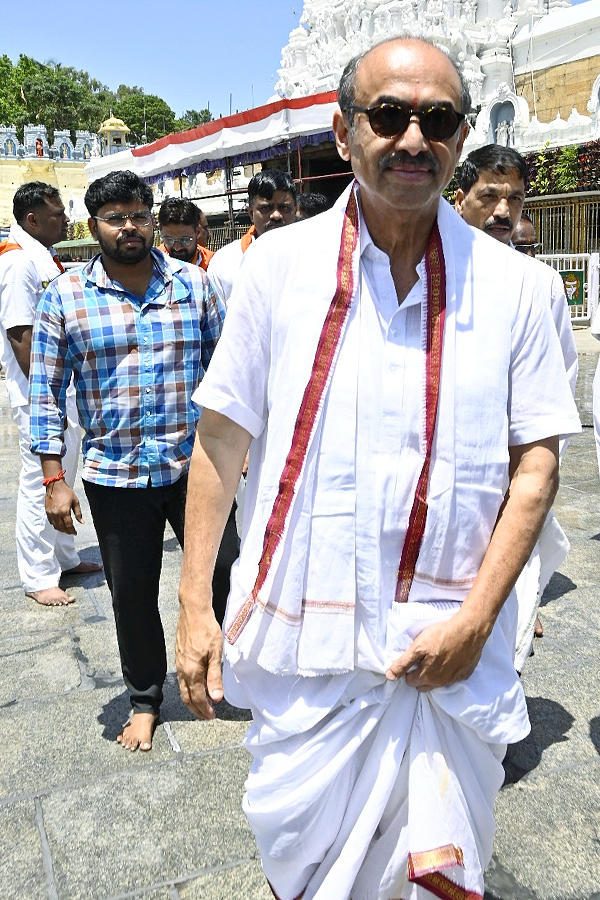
66	175
560	88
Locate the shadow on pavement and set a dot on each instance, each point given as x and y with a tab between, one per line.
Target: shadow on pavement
558	586
549	725
595	734
115	713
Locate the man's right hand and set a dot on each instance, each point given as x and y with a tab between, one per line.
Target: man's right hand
61	505
198	651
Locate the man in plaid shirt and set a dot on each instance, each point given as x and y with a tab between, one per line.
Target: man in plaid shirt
137	330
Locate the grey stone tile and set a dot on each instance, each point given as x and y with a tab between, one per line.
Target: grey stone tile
32	665
547	835
75	744
143	828
245	880
22	875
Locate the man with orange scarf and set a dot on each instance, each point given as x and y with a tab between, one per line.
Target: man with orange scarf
184	232
271	205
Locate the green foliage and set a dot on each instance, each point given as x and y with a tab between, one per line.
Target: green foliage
565	170
147	115
192	118
65	98
540	182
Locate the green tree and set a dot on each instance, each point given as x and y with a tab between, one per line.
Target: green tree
55	96
146	115
191	118
61	97
9	107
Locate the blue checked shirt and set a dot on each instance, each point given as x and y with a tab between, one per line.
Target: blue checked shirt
135	363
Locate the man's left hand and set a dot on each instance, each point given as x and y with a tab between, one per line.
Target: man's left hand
441	654
61	505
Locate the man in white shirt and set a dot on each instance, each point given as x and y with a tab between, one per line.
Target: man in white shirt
370	626
27	264
271	205
492	182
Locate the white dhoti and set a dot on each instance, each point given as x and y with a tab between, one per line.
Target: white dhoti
42	551
550	551
360	788
336	758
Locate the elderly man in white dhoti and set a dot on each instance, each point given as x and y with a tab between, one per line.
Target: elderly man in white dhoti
402	397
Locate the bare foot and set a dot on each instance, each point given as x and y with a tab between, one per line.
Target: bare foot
538	628
84	568
54	596
138	732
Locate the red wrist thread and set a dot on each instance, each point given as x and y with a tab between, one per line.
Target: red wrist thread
58	477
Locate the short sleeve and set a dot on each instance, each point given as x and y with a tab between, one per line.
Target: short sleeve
540	401
19	289
236	383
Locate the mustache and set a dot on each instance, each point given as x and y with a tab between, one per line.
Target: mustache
404	158
506	221
129	236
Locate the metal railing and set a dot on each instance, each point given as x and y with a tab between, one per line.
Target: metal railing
221	235
566	223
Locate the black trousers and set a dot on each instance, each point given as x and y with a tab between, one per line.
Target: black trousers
130	525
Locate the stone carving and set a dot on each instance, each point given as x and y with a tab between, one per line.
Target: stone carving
476	33
502	133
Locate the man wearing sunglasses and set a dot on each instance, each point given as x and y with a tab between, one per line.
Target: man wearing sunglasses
524	237
492	184
137	330
392	383
184	232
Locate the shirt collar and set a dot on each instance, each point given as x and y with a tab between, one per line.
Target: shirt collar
162	274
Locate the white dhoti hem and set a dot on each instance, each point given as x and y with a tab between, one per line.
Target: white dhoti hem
364	789
550	551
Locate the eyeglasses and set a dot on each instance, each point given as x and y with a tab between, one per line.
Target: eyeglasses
437	123
528	248
184	241
141	219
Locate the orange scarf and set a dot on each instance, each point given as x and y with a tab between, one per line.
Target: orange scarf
6	245
202	256
246	239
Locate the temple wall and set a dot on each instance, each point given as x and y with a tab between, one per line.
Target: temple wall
560	88
68	177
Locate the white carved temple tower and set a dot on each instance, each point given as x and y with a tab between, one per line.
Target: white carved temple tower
514	54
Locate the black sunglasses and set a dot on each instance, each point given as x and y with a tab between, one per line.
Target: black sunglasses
528	248
437	123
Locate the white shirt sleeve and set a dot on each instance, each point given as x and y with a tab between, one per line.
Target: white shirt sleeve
540	401
223	268
236	383
20	289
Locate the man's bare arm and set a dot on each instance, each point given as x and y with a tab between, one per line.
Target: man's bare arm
445	653
216	465
19	338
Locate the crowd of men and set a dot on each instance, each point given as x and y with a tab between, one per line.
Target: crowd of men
392	389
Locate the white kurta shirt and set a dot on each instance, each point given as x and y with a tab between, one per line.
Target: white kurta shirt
23	276
336	566
224	267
